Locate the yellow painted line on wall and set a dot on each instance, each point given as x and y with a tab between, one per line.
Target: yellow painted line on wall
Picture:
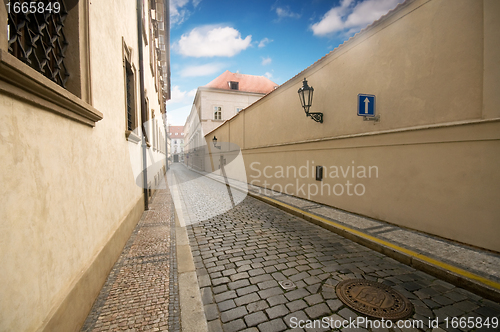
408	252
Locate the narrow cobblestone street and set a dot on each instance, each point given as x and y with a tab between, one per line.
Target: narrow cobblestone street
241	256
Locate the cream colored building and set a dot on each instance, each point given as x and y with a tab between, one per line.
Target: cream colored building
220	100
432	161
71	176
176	135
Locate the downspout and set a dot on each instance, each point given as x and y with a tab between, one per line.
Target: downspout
166	21
143	105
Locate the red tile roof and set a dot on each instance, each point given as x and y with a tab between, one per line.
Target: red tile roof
173	130
247	83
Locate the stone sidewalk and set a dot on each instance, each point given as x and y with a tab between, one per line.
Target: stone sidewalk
141	292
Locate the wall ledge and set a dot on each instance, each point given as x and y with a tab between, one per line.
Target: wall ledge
382	132
23	82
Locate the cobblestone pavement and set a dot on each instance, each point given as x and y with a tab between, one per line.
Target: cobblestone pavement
140	293
241	256
206	198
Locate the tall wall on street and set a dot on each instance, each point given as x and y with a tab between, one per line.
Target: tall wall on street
68	196
434	67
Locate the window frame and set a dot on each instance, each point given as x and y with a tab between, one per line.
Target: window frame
129	70
234	84
217	110
74	102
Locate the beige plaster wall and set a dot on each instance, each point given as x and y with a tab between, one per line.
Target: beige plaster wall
435	154
68	197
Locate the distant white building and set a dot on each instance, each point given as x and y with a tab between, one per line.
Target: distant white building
220	100
176	134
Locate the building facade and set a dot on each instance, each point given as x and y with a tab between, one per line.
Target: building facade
74	107
220	100
431	161
176	134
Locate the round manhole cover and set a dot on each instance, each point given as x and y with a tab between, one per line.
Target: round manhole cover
374	299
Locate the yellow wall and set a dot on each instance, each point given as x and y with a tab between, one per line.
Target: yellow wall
436	146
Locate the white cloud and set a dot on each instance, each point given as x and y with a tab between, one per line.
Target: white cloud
284	12
266	61
264	41
268	75
352	16
178	96
210	41
203	70
179	11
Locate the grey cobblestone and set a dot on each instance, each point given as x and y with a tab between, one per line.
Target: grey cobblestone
226	305
238	284
233	326
274	325
255	318
264	294
277	311
232	314
297	294
211	312
277	299
252	297
262	245
131	298
246	290
225	296
317	310
257	306
215	326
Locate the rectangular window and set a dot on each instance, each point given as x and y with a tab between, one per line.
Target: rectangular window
217	113
130	96
234	85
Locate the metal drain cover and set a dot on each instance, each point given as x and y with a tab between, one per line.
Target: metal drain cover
287	284
374	299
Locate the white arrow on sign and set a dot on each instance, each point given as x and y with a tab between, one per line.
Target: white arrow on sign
367	101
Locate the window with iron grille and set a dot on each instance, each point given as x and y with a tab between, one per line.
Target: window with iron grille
38	39
130	92
45	56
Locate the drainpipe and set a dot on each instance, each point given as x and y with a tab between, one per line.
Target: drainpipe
166	21
166	139
143	105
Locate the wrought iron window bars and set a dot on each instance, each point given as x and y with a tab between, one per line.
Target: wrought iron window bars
38	40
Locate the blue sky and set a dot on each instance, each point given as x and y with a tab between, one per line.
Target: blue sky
277	39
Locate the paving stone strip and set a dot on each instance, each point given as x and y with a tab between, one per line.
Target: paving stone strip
140	293
241	255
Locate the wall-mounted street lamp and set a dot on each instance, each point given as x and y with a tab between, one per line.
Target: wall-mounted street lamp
214	140
306	99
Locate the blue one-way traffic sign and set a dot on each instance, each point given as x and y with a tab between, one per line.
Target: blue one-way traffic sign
366	105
